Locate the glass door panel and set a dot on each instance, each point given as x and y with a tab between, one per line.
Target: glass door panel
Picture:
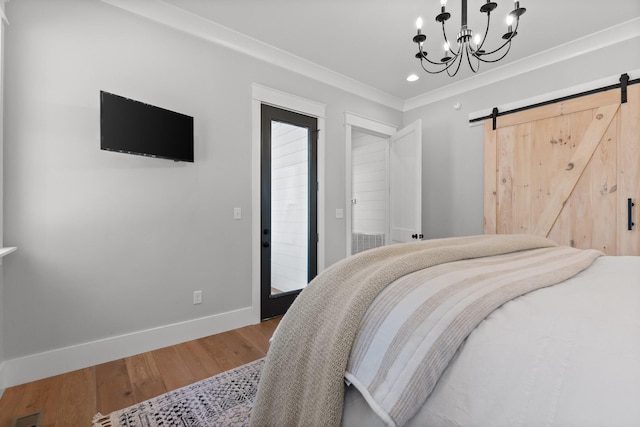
289	207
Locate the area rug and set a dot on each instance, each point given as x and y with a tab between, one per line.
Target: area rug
225	399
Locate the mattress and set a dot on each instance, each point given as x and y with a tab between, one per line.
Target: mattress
566	355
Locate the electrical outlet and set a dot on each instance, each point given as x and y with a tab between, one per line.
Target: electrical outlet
197	297
237	213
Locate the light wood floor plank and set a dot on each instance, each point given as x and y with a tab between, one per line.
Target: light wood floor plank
10	405
230	349
46	399
77	398
173	368
256	338
144	376
113	386
72	399
199	360
41	396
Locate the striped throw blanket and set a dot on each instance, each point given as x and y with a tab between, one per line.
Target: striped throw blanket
302	383
415	325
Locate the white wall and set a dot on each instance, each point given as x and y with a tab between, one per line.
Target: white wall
111	246
453	151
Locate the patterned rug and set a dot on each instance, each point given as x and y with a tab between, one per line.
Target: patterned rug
225	399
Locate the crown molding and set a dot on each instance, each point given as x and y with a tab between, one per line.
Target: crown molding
598	40
197	26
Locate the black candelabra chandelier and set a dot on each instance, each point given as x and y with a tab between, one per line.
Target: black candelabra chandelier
469	44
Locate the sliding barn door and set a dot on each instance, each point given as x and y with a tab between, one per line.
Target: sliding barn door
567	171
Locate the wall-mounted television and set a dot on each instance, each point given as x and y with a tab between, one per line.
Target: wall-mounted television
130	126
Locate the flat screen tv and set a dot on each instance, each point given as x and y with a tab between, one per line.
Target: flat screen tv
130	126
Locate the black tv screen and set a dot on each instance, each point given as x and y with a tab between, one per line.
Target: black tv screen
130	126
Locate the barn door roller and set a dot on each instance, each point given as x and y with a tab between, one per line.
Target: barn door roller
624	81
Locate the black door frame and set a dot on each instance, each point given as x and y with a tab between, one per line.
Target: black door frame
275	305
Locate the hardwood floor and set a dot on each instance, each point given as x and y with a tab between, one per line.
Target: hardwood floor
72	399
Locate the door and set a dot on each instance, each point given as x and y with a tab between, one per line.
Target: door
405	193
567	171
288	207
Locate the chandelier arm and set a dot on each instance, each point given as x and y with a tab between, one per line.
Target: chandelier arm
446	42
426	58
439	63
486	32
448	64
456	59
507	42
435	72
469	55
488	61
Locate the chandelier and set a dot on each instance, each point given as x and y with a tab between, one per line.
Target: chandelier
469	44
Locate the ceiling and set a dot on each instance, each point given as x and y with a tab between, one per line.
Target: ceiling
370	40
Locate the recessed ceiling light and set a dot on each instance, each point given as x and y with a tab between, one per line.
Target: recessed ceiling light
412	77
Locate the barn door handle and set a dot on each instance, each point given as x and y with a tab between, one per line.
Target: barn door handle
630	206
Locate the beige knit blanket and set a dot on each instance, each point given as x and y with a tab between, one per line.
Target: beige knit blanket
302	382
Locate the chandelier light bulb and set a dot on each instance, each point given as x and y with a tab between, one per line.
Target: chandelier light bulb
509	19
443	3
477	39
419	23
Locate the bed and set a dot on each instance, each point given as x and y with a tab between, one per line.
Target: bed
553	338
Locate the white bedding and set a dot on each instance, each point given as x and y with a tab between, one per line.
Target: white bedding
568	355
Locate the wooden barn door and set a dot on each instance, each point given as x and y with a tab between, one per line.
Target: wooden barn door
567	171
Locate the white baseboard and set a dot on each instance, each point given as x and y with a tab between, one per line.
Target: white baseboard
54	362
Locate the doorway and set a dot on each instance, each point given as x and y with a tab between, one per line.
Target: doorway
289	207
369	190
383	183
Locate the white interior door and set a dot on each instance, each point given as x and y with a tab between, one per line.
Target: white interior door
405	155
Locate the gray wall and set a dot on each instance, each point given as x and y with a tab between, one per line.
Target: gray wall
110	243
453	151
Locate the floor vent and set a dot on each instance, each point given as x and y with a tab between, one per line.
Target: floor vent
31	420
